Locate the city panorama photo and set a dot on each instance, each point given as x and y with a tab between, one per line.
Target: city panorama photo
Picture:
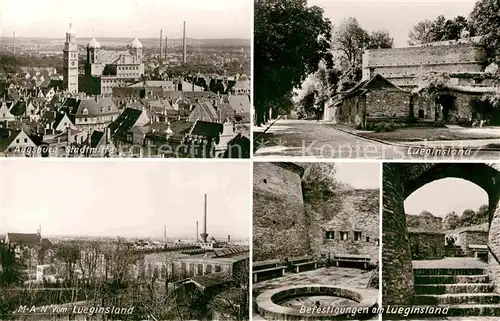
167	241
125	78
377	79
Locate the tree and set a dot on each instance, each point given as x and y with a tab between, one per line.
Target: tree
290	39
380	39
307	101
485	21
468	218
350	39
420	33
451	221
9	267
440	29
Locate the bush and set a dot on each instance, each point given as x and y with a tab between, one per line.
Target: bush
439	123
384	127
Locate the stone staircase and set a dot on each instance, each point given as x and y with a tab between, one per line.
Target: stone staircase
466	291
454	251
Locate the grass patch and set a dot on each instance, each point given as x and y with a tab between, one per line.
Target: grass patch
413	134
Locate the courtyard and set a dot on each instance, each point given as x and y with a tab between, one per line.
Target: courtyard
339	276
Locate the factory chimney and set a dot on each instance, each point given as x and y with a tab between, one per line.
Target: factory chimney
204	235
197	239
184	45
14	42
165	233
166	44
229	239
161	39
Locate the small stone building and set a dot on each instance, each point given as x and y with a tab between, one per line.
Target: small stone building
472	235
427	237
373	100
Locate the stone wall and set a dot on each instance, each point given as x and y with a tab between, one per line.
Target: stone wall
390	104
403	65
376	105
424	223
397	269
353	213
427	245
467	238
279	224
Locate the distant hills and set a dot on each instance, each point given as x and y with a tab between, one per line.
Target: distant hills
148	42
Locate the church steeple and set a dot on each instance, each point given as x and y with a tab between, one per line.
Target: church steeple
70	57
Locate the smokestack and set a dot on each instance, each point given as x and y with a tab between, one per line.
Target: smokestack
197	240
14	42
161	39
184	53
165	233
229	239
166	46
204	235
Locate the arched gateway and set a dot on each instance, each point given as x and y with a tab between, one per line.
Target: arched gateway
399	182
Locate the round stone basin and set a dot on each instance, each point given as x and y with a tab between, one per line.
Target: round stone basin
317	302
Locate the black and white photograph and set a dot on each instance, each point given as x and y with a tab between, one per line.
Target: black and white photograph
125	78
316	241
129	240
440	243
377	79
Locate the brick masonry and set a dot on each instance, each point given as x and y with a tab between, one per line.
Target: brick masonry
399	181
467	238
402	66
427	245
355	212
293	213
279	226
397	270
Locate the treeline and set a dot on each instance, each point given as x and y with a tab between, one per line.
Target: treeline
469	217
12	63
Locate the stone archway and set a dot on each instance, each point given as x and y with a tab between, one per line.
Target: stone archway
402	179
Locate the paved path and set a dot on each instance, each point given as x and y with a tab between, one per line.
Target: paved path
313	140
450	262
310	139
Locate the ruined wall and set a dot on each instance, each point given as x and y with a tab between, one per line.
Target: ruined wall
397	270
279	224
467	238
376	105
427	245
403	65
494	240
424	223
351	211
388	104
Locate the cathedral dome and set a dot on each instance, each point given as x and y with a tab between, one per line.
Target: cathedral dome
94	43
136	44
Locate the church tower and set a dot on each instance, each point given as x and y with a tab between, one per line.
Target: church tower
70	60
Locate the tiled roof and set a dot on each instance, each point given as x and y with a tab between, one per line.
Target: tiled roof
104	106
24	238
207	129
125	121
239	103
95	138
19	108
7	136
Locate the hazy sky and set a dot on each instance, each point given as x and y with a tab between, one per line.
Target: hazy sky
120	18
359	175
396	16
446	195
124	198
